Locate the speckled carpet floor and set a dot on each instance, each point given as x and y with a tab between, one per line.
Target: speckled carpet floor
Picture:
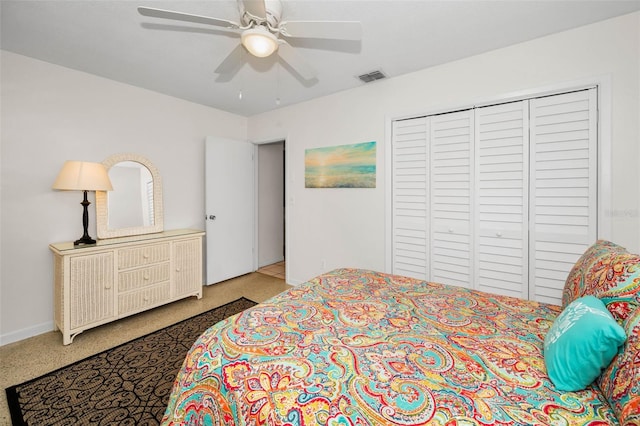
125	385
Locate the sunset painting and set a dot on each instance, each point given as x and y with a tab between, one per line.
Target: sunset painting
344	166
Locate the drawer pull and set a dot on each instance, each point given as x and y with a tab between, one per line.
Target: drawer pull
146	255
499	234
146	277
145	298
177	269
107	287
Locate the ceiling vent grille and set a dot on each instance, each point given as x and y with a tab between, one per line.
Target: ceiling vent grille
372	76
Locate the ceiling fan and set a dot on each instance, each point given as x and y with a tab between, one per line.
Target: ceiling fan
263	32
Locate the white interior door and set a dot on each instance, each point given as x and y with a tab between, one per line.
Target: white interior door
229	187
451	146
410	193
501	255
564	199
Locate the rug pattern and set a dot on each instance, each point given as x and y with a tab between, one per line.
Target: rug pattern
125	385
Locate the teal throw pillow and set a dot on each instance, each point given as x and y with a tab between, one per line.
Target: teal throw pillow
582	341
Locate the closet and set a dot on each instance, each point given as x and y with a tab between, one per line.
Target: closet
500	198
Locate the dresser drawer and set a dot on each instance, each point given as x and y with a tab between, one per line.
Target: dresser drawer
140	256
139	300
143	277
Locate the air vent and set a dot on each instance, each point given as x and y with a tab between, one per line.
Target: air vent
372	76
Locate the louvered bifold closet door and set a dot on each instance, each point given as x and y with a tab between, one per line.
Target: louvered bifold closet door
410	196
451	175
563	206
501	199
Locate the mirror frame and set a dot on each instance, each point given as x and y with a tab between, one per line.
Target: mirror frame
102	204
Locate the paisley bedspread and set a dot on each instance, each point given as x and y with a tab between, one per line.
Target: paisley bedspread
356	347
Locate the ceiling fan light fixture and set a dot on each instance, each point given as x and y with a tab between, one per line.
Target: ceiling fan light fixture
259	42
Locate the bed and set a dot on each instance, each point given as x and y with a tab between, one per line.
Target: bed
358	347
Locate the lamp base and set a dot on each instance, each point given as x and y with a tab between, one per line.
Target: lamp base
84	240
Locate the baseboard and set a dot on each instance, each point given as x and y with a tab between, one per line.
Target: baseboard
25	333
295	282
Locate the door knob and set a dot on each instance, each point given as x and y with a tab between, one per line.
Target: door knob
212	217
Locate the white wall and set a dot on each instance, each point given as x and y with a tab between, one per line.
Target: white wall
346	227
270	203
51	114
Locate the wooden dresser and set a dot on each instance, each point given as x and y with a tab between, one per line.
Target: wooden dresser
118	277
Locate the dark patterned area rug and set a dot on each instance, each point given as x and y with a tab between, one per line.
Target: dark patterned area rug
126	385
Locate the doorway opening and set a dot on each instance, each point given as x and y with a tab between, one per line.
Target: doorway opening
270	207
274	270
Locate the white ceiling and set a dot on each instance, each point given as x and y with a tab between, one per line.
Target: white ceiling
110	39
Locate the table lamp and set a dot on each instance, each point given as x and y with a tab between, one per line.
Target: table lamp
83	176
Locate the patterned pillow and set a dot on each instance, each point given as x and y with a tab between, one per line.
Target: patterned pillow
620	381
574	287
608	272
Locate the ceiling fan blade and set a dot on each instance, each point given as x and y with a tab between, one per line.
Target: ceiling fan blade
295	61
233	62
337	30
168	14
255	8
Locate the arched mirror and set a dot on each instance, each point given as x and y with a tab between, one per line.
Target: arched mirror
134	207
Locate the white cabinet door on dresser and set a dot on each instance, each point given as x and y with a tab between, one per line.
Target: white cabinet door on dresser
91	285
118	277
186	262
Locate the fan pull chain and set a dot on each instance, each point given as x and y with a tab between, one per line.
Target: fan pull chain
242	75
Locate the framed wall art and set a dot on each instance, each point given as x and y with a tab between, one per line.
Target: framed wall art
343	166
